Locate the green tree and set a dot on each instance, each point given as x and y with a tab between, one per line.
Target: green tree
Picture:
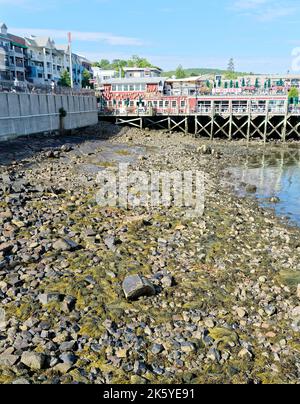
294	92
180	73
231	83
86	76
65	79
243	83
103	64
257	83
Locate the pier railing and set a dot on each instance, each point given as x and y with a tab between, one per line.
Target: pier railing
273	110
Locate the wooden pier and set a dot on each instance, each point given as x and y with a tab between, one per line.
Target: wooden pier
229	119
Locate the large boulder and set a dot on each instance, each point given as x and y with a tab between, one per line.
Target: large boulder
135	286
33	360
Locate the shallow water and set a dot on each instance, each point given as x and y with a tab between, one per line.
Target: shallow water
275	174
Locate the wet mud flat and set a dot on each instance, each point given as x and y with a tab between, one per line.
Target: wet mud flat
225	304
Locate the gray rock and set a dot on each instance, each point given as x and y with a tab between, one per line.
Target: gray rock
251	189
67	346
214	355
270	310
7	359
167	281
139	368
21	380
136	286
68	358
187	347
33	360
65	245
68	304
157	349
47	298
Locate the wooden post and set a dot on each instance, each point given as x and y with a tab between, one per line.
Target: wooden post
196	126
212	120
266	121
230	119
186	125
286	113
249	120
141	123
169	124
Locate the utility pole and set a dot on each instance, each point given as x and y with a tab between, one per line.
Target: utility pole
70	58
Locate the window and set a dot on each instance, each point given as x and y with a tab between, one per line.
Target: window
161	104
131	103
131	87
125	87
155	104
174	104
143	87
114	87
182	104
137	87
167	104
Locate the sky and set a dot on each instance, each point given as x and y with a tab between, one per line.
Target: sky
261	35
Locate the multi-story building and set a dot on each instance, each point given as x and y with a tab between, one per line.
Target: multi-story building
37	60
13	57
101	75
139	72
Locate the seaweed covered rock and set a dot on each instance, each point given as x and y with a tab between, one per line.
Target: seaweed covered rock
136	286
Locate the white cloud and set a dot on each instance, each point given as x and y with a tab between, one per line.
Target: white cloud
111	39
264	10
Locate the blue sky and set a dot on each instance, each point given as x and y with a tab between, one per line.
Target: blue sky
259	34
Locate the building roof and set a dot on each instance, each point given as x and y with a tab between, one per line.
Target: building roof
136	80
41	42
139	69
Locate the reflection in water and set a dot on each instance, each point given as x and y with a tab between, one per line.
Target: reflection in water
275	175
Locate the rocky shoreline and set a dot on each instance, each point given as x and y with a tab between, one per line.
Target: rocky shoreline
222	302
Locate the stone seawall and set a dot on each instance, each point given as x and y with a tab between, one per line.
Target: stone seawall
26	114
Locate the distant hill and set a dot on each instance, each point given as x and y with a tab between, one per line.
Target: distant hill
202	71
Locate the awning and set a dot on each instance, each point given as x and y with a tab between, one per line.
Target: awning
19	45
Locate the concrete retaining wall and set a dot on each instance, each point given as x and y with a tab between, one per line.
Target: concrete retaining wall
26	114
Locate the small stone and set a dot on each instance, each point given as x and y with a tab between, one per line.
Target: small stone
122	353
167	281
270	310
47	298
296	312
67	346
6	247
206	150
21	380
68	304
209	323
274	199
244	353
214	355
262	279
157	349
68	358
65	245
251	189
188	347
7	359
33	360
136	286
139	368
241	312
